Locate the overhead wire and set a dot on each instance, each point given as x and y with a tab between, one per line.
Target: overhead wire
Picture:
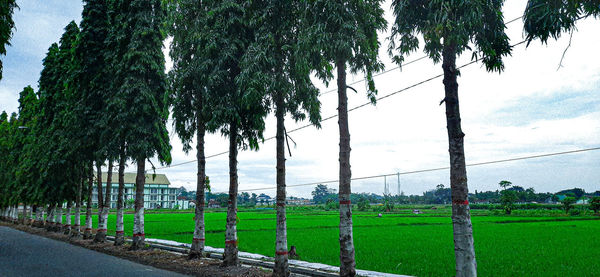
432	169
335	115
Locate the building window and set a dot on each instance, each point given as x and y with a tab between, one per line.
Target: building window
153	191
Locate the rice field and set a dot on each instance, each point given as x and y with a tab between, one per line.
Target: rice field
404	243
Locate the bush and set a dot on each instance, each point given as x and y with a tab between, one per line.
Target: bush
363	204
575	212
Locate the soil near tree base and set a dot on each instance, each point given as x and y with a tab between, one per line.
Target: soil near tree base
152	257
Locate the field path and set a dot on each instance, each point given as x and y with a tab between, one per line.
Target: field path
23	254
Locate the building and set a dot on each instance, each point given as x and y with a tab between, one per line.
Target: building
157	193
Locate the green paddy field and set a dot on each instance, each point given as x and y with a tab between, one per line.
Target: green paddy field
518	245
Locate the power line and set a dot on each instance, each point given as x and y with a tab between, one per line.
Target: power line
433	169
349	110
403	65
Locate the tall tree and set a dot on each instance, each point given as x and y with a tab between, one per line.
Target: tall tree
448	29
117	41
274	65
91	80
7	25
190	96
341	34
144	87
238	113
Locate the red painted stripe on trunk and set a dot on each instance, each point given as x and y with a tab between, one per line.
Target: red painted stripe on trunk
345	202
120	232
281	204
101	230
195	239
75	225
281	253
139	235
458	202
88	229
231	242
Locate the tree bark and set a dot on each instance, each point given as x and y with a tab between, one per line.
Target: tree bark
230	256
88	210
24	220
138	224
58	221
30	216
103	226
67	228
38	216
347	261
98	237
464	250
281	250
198	242
120	228
50	218
76	230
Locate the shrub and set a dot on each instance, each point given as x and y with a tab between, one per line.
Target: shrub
363	204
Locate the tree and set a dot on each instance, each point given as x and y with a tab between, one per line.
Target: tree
91	81
544	19
190	97
341	34
237	113
144	88
595	204
320	194
508	199
505	184
275	67
567	203
448	28
7	25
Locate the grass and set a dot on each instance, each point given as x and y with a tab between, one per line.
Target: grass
403	243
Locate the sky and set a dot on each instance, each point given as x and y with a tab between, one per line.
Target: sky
531	108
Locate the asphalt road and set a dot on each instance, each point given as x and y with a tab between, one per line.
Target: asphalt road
23	254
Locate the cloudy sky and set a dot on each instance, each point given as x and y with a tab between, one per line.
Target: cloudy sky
531	108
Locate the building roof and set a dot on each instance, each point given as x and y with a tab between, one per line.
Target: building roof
159	179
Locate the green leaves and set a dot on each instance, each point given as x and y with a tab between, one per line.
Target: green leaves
544	18
468	25
334	31
7	25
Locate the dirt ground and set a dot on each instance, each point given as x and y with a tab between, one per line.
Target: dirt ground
152	257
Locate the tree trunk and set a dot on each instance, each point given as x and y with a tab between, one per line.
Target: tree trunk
100	234
88	210
281	249
58	226
30	216
24	220
76	230
230	256
50	218
102	227
138	224
198	241
347	262
464	250
67	228
39	216
120	228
